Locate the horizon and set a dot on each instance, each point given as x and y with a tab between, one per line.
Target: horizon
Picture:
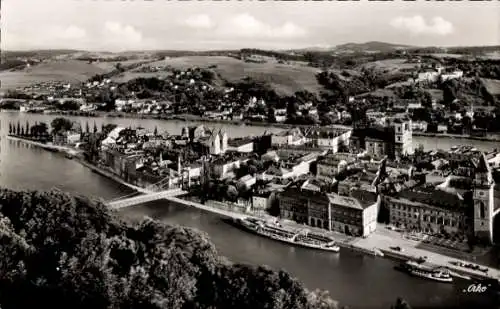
241	48
205	26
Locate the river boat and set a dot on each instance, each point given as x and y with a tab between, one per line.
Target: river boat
427	271
302	238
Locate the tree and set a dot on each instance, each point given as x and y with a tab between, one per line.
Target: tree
232	193
70	252
10	128
18	130
271	117
155	131
27	128
95	127
61	124
87	129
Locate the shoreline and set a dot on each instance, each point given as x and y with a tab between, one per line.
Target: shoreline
492	137
361	245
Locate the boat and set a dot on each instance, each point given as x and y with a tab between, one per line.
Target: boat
427	271
302	238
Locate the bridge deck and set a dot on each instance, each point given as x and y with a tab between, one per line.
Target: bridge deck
144	198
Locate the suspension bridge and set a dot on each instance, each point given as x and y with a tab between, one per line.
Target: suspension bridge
151	193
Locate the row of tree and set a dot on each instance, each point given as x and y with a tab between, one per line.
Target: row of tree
39	130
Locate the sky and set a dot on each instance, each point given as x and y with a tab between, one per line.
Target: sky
116	25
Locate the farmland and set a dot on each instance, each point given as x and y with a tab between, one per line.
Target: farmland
389	65
285	79
70	71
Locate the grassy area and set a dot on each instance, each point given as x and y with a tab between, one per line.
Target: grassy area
389	65
71	71
491	85
285	79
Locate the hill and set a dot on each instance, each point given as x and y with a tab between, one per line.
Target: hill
284	79
70	71
369	47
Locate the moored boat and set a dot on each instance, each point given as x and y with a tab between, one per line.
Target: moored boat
427	271
302	238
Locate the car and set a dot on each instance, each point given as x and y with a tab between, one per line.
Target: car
398	248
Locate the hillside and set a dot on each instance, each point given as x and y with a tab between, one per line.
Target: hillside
285	79
381	47
71	71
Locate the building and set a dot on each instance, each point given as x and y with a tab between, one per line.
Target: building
393	139
67	138
354	215
331	164
215	142
244	145
446	208
293	137
332	137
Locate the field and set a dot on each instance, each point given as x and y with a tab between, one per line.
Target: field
389	65
285	79
71	71
492	86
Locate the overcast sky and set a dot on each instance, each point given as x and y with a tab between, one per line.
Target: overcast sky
139	25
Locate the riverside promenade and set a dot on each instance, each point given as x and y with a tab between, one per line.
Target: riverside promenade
47	146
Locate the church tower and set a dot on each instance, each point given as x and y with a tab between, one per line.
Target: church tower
483	200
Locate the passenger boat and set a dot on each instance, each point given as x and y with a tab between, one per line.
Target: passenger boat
427	271
302	238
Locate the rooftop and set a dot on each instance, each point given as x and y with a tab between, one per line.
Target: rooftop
237	142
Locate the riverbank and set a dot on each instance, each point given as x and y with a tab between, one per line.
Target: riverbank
493	137
380	240
46	146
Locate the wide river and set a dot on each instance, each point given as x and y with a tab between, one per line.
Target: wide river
353	279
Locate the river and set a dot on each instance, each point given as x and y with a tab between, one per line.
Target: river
353	279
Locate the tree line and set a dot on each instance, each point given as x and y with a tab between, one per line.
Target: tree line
73	252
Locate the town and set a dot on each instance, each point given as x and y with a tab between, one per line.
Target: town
336	178
440	95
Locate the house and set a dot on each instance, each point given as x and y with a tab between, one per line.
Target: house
262	201
493	159
451	74
289	137
280	114
67	138
248	181
222	167
332	164
243	144
332	137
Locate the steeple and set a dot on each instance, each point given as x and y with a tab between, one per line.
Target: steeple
483	175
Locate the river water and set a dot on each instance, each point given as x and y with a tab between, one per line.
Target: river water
353	279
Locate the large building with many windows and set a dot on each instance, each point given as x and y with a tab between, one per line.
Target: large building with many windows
460	206
312	205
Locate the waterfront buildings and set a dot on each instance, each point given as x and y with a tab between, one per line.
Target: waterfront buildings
461	205
315	206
